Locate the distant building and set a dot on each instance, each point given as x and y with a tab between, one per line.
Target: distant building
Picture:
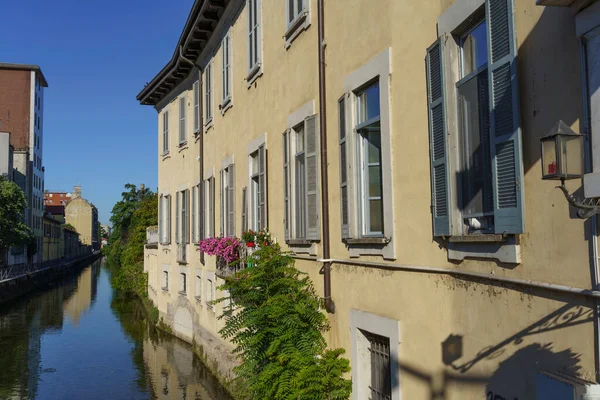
6	156
56	198
83	215
53	248
21	114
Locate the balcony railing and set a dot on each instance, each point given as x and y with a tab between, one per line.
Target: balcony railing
182	253
225	269
152	236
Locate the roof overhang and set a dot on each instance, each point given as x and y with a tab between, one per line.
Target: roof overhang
198	30
577	5
26	67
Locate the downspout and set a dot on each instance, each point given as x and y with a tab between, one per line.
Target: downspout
201	195
329	305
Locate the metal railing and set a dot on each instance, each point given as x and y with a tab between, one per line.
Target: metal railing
152	235
18	270
225	269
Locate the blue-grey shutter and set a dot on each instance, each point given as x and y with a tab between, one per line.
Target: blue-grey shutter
211	205
244	210
438	145
262	186
177	211
202	210
168	219
194	214
286	184
222	202
161	221
505	132
344	212
313	231
231	201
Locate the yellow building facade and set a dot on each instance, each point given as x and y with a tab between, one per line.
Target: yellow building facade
441	245
83	215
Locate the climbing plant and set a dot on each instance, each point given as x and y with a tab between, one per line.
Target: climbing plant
277	326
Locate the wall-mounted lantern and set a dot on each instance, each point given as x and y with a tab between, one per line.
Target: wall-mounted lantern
562	153
562	159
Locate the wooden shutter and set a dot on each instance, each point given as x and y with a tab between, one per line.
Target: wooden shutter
222	201
313	231
211	205
262	186
286	183
161	222
438	145
177	217
202	209
168	212
231	201
505	132
344	207
244	209
194	214
186	214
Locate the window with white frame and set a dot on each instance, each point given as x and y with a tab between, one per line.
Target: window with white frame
182	122
295	8
198	293
297	19
209	208
208	107
366	189
182	283
165	219
226	79
210	294
195	217
197	107
165	282
165	129
254	36
477	188
300	168
256	203
182	217
228	201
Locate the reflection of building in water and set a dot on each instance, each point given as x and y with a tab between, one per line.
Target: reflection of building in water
175	374
81	300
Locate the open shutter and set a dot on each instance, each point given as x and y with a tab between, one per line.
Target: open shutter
505	132
186	221
343	168
286	184
211	205
312	178
438	145
262	186
202	210
168	225
231	201
194	214
177	209
161	222
244	209
222	202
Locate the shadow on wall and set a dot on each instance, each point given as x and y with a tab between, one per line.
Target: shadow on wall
515	376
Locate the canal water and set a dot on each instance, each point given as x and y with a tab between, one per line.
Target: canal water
80	339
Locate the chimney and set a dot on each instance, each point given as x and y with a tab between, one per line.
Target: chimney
142	186
76	191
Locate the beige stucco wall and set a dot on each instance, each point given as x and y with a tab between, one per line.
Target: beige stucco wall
508	333
78	212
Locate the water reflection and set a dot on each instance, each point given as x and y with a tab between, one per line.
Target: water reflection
81	340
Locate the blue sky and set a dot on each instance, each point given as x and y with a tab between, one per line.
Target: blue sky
96	55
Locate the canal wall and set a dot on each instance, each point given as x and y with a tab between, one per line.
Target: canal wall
30	281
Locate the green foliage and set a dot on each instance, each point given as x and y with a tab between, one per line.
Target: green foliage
277	327
137	210
70	227
13	230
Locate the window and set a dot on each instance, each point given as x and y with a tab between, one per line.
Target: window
182	221
297	18
254	37
165	280
182	127
196	107
210	294
183	283
379	350
226	57
165	219
165	137
208	93
476	189
301	181
368	128
294	10
195	223
228	201
209	207
198	294
258	191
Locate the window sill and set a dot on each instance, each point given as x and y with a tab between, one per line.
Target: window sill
226	105
182	262
198	299
300	242
254	73
182	293
367	241
483	238
164	289
296	27
166	155
208	125
507	251
197	135
182	146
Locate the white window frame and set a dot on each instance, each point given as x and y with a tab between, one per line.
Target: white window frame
210	290
208	94
226	74
182	102
209	203
299	23
165	133
254	40
198	286
224	197
195	213
197	117
166	218
165	278
378	69
253	192
361	371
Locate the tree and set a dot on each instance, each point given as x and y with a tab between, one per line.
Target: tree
13	230
70	227
277	326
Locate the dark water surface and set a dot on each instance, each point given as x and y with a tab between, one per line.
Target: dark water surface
80	339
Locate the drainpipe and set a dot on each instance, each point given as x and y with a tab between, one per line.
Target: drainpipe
200	141
329	304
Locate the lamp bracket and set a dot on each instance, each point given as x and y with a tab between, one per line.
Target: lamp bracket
585	207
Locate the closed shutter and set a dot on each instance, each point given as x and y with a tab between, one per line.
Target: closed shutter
312	178
343	169
231	201
438	140
286	184
244	209
202	209
177	216
505	132
161	221
222	202
262	186
211	204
